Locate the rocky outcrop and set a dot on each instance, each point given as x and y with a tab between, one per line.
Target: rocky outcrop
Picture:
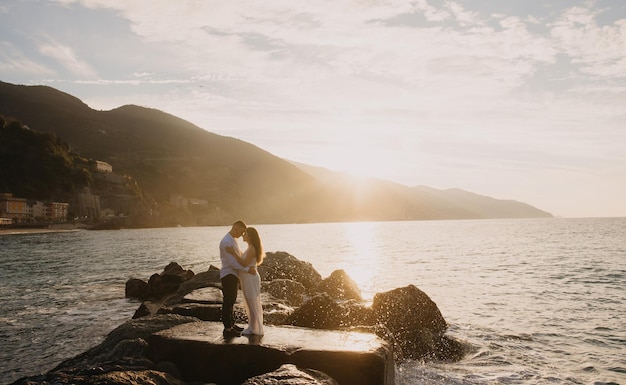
120	359
295	294
282	265
340	286
202	355
300	310
159	285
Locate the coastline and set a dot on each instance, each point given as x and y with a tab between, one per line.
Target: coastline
59	228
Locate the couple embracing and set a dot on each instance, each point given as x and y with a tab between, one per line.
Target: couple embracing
238	267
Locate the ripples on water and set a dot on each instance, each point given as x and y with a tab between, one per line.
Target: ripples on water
539	301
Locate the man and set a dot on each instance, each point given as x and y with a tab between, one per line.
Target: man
230	279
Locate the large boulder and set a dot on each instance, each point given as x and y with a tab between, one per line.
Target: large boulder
414	320
340	286
323	312
287	289
137	288
282	265
159	285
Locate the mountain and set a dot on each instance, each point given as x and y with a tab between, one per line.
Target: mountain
221	179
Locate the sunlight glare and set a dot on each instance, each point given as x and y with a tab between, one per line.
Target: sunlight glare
362	237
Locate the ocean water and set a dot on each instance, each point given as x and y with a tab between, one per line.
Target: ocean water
540	301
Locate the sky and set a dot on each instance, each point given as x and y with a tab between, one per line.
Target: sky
515	99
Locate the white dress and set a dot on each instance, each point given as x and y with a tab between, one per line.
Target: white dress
251	287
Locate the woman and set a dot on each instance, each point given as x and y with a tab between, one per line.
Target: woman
251	283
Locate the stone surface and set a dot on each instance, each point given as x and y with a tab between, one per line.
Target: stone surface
289	374
120	359
413	318
282	265
202	354
286	289
323	312
205	295
340	286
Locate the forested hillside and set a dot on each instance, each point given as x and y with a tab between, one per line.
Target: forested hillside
219	179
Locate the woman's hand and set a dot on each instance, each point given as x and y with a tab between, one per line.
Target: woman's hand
231	250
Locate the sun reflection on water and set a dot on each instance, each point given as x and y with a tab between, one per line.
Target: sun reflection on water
362	238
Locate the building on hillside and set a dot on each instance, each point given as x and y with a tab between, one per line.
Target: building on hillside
22	210
103	166
57	211
14	208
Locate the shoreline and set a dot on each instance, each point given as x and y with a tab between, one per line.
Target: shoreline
38	230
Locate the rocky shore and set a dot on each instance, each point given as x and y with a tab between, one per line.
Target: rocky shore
319	332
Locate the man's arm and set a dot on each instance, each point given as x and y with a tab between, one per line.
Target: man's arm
229	259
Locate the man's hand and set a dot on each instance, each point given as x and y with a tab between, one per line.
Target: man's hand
252	270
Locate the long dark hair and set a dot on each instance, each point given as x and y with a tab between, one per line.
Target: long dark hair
255	241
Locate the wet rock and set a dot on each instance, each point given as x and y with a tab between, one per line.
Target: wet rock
413	318
147	308
212	312
174	268
203	355
209	278
289	374
120	359
137	288
106	378
282	265
340	286
161	285
206	295
323	312
286	289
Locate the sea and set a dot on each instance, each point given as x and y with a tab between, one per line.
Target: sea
538	301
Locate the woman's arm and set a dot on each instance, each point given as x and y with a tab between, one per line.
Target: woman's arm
249	256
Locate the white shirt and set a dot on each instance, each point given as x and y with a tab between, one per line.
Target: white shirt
229	262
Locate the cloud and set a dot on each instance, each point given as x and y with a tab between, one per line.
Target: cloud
66	56
599	50
12	61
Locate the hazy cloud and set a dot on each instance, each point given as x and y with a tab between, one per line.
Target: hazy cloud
67	58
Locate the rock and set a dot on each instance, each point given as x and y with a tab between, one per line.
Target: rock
164	284
289	374
205	295
275	313
340	286
287	289
137	288
161	285
92	377
203	312
323	312
209	278
120	359
174	268
203	355
133	330
147	308
413	318
282	265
